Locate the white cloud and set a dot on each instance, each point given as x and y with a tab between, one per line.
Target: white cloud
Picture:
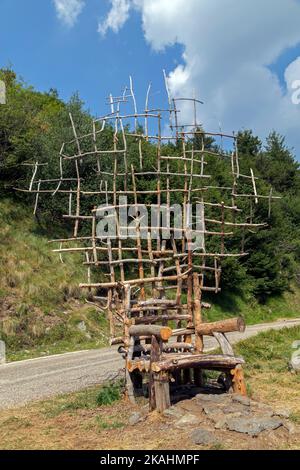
228	48
68	10
292	73
117	16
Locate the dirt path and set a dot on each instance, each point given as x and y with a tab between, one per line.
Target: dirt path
30	380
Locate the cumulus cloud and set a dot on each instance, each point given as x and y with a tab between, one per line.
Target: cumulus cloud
292	73
68	10
117	16
229	47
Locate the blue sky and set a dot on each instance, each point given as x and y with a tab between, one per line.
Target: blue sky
47	54
241	57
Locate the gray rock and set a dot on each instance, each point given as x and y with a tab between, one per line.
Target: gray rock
216	416
82	326
290	427
187	420
234	408
213	398
2	353
257	406
135	418
253	426
221	423
295	363
203	437
173	412
282	412
242	400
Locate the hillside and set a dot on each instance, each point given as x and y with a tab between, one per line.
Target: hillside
41	305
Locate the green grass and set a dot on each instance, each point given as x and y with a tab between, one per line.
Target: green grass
269	350
41	304
267	372
109	394
89	399
232	304
109	424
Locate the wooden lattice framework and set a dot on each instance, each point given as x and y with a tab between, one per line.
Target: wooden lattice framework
157	274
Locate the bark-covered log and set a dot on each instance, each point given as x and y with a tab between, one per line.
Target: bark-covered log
203	361
166	347
223	326
225	346
157	318
156	348
162	391
161	332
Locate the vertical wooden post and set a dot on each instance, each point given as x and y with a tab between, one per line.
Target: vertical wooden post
129	344
156	348
238	381
198	377
162	391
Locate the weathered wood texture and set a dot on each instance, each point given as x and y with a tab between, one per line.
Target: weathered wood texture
161	332
223	326
218	362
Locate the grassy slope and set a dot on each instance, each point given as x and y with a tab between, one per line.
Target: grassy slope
286	306
41	304
267	357
77	421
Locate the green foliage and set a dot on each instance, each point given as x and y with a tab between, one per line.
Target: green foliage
109	393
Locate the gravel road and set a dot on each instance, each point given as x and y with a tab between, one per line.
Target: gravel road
35	379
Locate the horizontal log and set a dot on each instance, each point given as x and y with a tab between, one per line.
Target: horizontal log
202	361
150	302
141	365
161	332
158	318
133	282
223	326
166	347
115	341
183	332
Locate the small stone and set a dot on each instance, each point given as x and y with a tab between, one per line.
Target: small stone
236	408
213	398
81	326
282	412
242	400
135	418
221	423
203	437
290	427
173	412
187	420
210	410
262	407
253	426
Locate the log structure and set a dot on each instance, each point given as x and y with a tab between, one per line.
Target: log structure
149	273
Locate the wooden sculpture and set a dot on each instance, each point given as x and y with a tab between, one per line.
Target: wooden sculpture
158	267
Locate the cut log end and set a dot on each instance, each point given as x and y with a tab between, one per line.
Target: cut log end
161	332
223	326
